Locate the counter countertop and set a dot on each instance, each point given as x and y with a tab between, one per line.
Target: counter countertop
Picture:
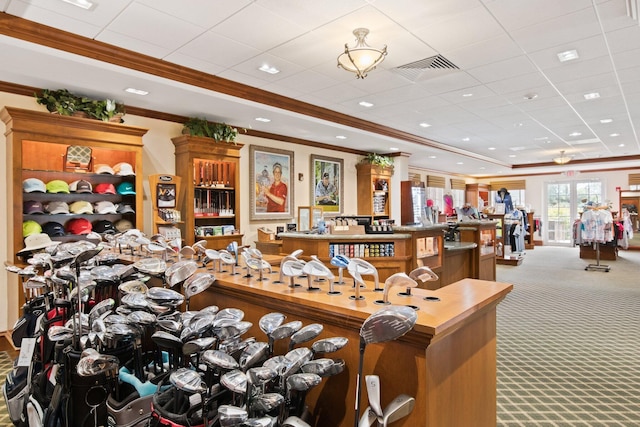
459	246
349	237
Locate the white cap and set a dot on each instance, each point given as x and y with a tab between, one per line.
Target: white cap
105	207
102	168
123	169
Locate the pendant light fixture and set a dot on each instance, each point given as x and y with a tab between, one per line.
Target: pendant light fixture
562	159
361	58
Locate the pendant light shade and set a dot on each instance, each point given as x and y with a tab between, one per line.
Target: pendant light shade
562	159
361	58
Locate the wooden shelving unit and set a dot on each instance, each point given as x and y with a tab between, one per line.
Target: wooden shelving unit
501	238
475	192
374	191
210	207
36	147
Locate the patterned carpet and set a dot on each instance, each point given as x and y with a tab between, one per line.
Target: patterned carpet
569	342
6	363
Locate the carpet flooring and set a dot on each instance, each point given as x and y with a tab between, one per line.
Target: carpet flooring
569	342
6	363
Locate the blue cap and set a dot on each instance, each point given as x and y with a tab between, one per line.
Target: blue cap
126	188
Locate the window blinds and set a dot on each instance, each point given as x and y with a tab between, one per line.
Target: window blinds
435	181
634	179
458	184
509	185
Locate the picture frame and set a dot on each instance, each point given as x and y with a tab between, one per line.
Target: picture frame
327	194
309	217
266	201
499	209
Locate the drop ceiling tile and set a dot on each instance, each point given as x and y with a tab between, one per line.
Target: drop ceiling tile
305	81
448	82
140	24
521	84
516	15
512	67
218	50
559	31
203	13
310	14
624	39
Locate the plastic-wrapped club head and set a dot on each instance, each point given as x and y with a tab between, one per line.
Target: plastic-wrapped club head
254	354
306	333
59	333
227	258
180	271
165	296
101	307
198	345
261	375
133	286
231	416
388	324
135	301
294	421
235	380
230	313
187	380
267	402
278	363
286	330
265	421
271	321
165	340
329	345
295	359
233	248
153	266
85	256
234	330
322	367
197	283
93	363
187	251
303	381
142	318
219	359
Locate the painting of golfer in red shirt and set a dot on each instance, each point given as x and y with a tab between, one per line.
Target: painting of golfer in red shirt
276	194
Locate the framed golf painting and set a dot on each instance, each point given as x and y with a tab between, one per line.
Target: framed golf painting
271	172
327	184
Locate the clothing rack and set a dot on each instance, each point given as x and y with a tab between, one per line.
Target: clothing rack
597	266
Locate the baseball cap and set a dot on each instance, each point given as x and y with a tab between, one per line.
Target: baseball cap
57	207
81	207
126	188
124	208
57	186
32	207
103	168
105	188
123	225
30	227
33	185
78	226
80	186
36	241
105	207
104	226
123	169
53	229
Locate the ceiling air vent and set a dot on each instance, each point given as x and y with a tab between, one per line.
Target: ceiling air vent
415	71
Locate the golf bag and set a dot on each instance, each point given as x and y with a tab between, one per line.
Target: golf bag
16	393
132	411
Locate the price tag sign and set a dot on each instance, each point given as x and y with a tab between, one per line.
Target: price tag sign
27	347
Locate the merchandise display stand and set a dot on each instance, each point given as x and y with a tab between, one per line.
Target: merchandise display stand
165	199
597	265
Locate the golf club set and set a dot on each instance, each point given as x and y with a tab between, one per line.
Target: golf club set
100	347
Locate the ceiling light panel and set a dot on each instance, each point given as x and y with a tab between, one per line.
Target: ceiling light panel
568	55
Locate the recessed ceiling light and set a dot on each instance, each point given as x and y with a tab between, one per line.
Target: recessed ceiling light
620	145
393	148
365	104
466	95
425	125
136	91
575	134
263	119
84	4
482	168
491	148
459	163
614	134
512	155
592	95
269	69
568	55
432	157
530	96
341	137
518	125
604	121
541	138
466	139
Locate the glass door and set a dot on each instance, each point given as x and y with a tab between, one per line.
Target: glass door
565	202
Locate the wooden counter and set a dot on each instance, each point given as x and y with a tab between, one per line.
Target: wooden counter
447	362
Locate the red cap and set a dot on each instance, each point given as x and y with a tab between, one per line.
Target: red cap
104	188
79	226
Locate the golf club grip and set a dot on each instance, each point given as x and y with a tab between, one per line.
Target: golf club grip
363	345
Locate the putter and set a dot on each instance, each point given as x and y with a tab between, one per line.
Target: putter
398	408
384	325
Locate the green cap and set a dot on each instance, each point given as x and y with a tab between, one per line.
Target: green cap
57	186
30	227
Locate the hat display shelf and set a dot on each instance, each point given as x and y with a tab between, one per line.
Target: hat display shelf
210	199
67	151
